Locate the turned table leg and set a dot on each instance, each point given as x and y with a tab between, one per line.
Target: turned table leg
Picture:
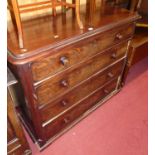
77	8
14	4
53	7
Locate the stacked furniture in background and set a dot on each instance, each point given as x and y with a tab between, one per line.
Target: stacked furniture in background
139	45
16	141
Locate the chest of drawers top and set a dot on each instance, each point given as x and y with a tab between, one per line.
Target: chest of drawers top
44	35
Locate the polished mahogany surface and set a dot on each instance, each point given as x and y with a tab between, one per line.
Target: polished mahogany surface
61	83
72	98
47	32
85	105
80	52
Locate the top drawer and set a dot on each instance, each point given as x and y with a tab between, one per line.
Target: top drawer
69	56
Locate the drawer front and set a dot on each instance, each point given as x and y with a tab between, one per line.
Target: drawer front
66	119
66	80
69	56
71	98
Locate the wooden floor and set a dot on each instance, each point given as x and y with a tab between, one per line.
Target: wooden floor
119	127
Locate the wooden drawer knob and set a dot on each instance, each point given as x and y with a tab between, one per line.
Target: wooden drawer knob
106	91
119	36
64	83
64	60
63	103
111	75
114	55
66	120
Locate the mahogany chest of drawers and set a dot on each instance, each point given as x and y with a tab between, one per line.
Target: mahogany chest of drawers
66	72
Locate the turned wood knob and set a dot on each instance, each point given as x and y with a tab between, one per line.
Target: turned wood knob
114	55
63	103
66	120
119	36
106	91
64	60
110	75
64	83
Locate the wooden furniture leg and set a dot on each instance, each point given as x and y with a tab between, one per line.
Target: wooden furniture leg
63	8
53	7
90	6
133	5
73	10
77	8
18	22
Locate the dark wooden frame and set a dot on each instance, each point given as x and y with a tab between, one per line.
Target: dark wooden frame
18	143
